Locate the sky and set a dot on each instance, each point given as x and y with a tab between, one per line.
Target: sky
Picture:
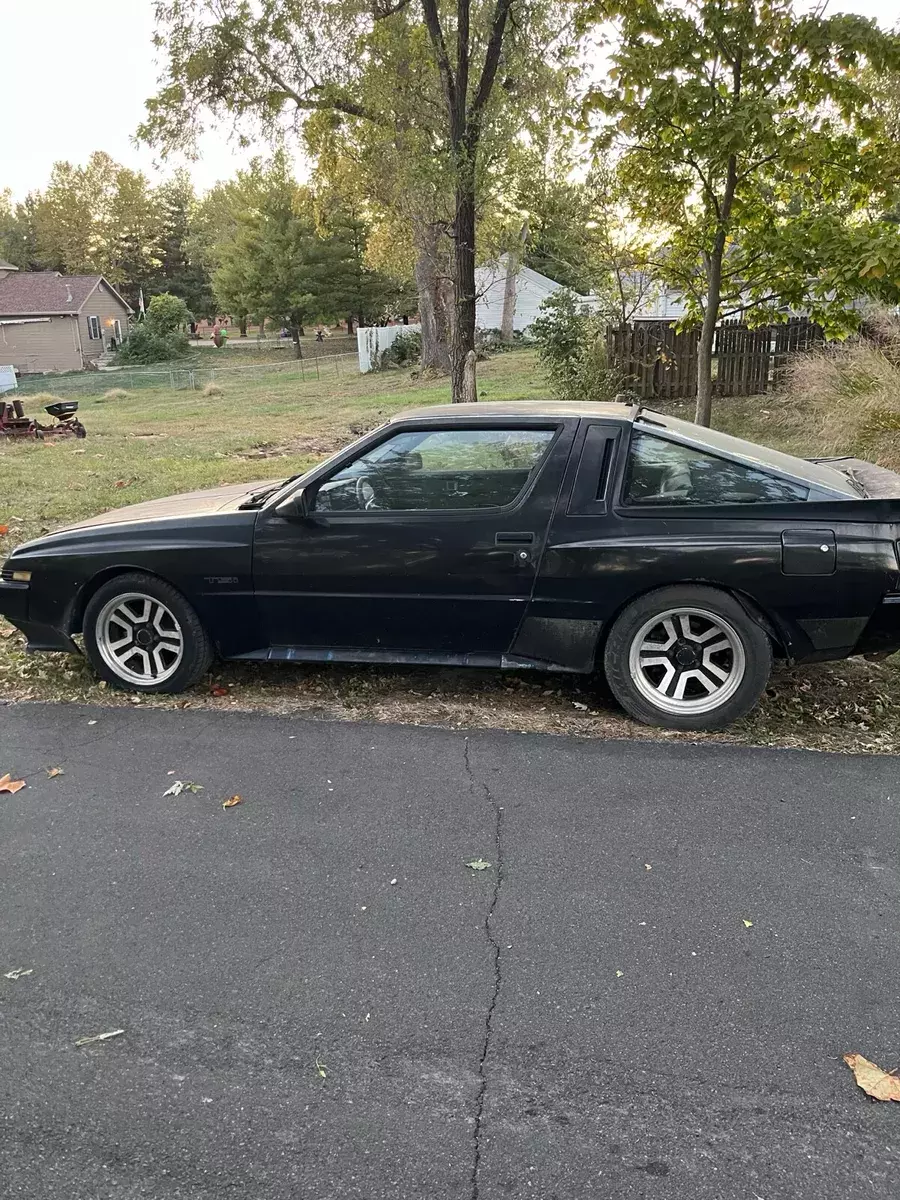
75	75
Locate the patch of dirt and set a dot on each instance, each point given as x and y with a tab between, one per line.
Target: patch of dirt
313	446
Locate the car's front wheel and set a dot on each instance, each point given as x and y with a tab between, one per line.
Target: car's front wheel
687	657
142	635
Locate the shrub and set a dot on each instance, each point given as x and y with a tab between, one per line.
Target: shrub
404	351
115	394
160	336
570	338
212	389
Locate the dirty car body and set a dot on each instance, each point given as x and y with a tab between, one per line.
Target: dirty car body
516	535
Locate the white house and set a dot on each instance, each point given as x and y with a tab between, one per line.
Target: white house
532	289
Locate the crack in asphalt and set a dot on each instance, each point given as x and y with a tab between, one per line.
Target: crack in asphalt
497	813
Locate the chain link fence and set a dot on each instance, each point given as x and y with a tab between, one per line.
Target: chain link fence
189	378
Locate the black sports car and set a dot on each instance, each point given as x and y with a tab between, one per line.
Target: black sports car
545	535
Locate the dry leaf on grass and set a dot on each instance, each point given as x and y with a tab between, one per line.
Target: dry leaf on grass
218	690
52	772
99	1037
880	1085
10	785
19	973
4	529
232	802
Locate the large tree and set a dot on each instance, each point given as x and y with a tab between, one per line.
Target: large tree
750	140
285	59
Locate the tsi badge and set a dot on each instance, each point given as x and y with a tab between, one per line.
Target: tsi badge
221	580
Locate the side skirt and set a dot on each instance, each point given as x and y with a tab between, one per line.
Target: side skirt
507	662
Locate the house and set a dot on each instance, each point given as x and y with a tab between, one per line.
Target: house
54	322
532	289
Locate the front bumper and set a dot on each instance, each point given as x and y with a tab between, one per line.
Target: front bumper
14	598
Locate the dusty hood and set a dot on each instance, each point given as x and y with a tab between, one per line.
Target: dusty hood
186	505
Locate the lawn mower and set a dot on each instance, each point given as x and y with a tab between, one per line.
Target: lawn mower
14	423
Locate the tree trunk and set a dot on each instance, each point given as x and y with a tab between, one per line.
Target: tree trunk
513	262
296	330
462	339
243	325
703	415
350	325
432	298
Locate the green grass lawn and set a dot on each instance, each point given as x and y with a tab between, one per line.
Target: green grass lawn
160	441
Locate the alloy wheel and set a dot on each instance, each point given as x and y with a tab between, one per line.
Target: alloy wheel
687	660
139	638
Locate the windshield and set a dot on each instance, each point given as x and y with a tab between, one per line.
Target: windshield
817	475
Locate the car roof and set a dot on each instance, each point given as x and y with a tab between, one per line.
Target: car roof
520	408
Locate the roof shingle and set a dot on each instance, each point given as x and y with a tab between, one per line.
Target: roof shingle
44	293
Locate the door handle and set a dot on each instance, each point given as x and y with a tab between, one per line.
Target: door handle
514	539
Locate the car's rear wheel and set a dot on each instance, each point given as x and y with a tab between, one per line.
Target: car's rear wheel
687	657
142	635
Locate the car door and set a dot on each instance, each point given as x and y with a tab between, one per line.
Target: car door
426	541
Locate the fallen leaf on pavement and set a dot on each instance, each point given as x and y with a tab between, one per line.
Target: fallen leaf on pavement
180	786
478	864
52	772
99	1037
321	1068
11	785
648	866
880	1085
578	704
92	722
18	973
619	974
749	924
232	802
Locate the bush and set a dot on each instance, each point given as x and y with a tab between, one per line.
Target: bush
404	351
572	348
160	336
115	394
211	389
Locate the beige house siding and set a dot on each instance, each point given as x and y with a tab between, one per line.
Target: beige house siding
45	344
106	307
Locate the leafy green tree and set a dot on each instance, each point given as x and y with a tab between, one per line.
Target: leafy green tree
272	266
296	58
18	244
750	140
179	271
160	337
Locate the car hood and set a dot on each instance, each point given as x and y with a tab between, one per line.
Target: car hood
184	506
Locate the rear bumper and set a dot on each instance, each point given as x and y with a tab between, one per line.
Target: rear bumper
882	632
14	606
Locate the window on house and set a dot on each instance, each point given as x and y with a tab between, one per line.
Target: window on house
117	330
94	328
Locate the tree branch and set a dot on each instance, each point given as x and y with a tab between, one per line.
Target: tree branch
436	33
491	62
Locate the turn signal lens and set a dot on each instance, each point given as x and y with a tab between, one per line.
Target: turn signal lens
21	576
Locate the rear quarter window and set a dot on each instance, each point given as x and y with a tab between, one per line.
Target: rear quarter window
661	472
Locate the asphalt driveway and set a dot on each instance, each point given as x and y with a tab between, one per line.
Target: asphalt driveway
320	999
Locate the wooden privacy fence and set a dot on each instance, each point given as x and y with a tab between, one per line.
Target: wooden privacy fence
659	363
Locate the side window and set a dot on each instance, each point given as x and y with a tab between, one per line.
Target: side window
424	471
93	328
663	472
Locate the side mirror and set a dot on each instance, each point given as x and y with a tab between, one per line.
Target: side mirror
295	507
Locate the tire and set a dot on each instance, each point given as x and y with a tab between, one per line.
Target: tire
168	650
695	640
